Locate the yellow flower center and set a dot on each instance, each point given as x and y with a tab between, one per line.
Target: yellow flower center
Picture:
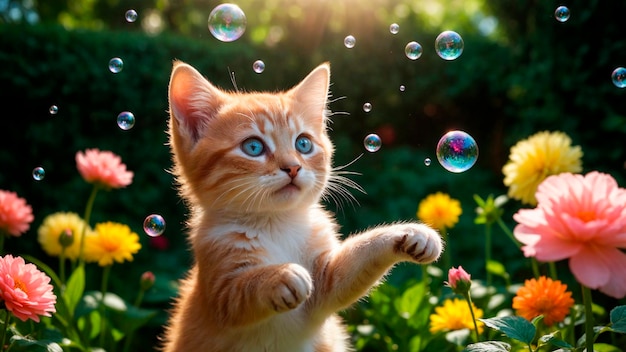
20	285
586	216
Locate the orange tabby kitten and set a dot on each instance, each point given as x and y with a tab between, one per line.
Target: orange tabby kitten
270	271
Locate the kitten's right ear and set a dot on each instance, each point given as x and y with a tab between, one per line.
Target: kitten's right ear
193	100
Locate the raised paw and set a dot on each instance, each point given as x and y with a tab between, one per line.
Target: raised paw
419	241
293	286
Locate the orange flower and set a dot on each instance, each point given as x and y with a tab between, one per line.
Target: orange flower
15	214
543	297
104	168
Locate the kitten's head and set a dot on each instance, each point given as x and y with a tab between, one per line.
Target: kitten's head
249	152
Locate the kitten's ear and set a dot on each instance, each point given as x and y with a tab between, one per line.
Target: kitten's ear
193	100
311	95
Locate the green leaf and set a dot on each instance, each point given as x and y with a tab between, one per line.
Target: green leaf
488	346
74	289
479	201
407	304
22	343
618	319
496	268
514	327
605	347
554	339
132	318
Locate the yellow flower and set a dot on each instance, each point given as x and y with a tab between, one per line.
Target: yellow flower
439	211
112	242
455	315
70	225
532	160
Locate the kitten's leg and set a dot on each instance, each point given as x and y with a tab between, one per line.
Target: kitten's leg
347	273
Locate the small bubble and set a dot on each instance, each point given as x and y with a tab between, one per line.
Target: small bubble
53	110
39	173
561	13
394	28
427	161
227	22
449	45
258	66
372	143
402	88
457	151
116	65
131	16
413	50
126	120
619	77
349	42
154	225
367	107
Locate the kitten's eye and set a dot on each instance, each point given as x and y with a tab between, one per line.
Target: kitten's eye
304	145
252	147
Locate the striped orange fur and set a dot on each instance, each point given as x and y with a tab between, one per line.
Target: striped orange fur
270	271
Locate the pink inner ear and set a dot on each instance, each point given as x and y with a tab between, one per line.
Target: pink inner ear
181	90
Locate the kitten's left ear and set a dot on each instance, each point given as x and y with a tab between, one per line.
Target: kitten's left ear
311	95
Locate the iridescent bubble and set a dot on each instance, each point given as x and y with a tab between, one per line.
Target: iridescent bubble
227	22
619	77
427	161
116	65
349	42
367	107
131	16
126	120
449	45
53	110
394	28
372	143
402	88
457	151
39	173
561	13
413	50
154	225
258	66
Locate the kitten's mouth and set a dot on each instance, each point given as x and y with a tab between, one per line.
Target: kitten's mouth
290	187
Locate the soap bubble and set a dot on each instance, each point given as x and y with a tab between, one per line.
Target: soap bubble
367	107
402	88
258	66
39	173
394	28
427	161
619	77
53	110
349	42
457	151
126	120
413	50
116	65
372	143
131	16
227	22
561	13
449	45
154	225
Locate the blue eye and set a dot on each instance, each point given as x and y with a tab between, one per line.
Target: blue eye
253	146
304	145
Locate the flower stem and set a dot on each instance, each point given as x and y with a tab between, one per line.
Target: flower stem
2	237
88	209
468	298
62	266
553	274
589	334
508	232
7	318
488	252
535	266
105	281
137	303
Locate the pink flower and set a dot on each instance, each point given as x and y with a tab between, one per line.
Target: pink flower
459	280
15	214
104	168
25	290
583	219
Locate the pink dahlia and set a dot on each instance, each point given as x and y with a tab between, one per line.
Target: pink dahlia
104	168
583	219
25	290
15	214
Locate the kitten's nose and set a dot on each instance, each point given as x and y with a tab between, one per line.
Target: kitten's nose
292	170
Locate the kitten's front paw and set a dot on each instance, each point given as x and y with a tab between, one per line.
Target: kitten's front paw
294	285
419	241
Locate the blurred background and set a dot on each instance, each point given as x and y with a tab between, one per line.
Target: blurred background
521	72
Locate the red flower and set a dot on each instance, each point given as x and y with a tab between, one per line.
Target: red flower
15	214
459	280
104	168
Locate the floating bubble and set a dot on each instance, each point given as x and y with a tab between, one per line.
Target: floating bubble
561	13
227	22
258	66
413	50
154	225
372	143
457	151
367	107
427	161
126	120
394	28
131	16
349	42
116	65
619	77
39	173
402	88
53	110
449	45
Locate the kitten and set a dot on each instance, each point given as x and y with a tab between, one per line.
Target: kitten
270	270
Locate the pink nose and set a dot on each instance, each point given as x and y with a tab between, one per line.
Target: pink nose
292	171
